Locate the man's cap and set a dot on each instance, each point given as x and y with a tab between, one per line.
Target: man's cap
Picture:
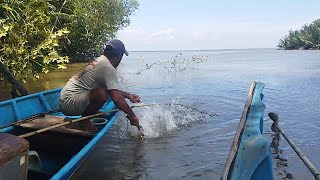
116	46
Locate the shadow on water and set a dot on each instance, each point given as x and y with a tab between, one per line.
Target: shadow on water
111	160
280	163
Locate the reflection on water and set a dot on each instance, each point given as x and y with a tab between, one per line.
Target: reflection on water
54	79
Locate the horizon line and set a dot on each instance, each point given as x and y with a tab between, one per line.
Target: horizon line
200	49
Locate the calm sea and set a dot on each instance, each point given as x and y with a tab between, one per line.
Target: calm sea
202	95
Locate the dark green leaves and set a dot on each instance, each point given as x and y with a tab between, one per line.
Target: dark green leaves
39	35
27	44
92	23
308	37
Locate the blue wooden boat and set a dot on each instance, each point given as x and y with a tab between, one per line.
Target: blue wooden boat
60	152
250	155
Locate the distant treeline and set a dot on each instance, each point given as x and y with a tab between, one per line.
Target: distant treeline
308	37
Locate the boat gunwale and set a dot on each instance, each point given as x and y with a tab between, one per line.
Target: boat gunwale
237	137
29	96
78	159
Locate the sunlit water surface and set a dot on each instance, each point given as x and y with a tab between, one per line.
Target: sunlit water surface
189	135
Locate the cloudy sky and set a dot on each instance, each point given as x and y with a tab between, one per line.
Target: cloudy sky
210	24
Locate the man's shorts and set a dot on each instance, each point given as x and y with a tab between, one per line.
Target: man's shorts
72	104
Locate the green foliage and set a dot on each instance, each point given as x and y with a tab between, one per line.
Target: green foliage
39	35
92	23
27	44
308	37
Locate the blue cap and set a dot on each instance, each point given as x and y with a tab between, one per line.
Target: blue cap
115	45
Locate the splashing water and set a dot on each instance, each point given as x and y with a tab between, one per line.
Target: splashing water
159	120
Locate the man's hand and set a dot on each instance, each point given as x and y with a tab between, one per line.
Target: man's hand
118	99
134	121
134	98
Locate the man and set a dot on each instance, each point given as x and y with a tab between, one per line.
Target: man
87	91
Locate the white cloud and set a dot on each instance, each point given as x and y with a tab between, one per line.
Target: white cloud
132	33
207	36
167	34
137	38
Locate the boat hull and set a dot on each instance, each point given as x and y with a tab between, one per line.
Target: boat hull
47	102
250	155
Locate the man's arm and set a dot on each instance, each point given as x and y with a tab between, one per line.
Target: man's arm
124	94
132	97
118	98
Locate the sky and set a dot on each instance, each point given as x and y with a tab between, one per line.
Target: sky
212	24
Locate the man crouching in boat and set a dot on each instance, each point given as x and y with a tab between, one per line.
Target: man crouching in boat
87	91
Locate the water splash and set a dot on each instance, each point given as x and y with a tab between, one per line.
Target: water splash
159	120
161	75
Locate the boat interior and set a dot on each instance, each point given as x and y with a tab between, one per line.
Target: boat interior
51	150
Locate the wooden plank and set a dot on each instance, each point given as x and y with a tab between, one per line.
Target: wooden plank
11	146
49	120
237	137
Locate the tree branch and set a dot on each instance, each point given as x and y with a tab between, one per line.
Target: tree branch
16	85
